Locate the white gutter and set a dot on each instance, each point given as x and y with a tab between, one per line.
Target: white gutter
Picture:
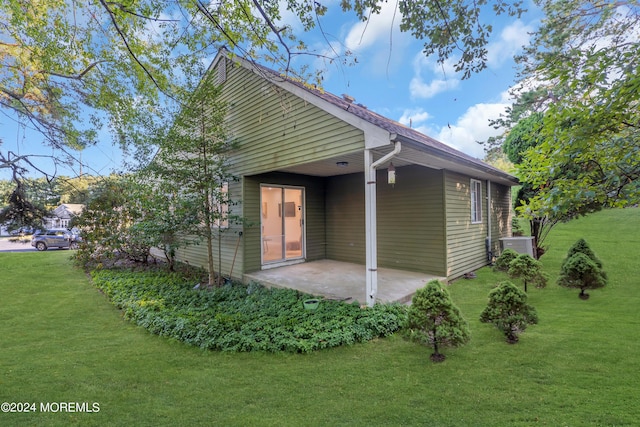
371	223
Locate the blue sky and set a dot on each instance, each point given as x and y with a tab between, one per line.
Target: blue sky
392	77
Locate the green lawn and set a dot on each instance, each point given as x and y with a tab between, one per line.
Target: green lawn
62	341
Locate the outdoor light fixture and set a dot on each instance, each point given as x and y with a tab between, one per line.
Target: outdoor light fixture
391	174
342	164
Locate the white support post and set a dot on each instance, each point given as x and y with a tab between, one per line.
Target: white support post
371	229
489	237
371	222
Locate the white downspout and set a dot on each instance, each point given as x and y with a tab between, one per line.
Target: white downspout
371	222
489	246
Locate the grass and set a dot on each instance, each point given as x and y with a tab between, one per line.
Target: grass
61	340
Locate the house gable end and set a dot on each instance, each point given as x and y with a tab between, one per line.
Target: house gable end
275	129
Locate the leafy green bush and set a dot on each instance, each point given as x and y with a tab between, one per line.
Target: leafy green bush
508	311
505	258
236	317
434	320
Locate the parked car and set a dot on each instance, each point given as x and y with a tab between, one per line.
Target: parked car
22	231
54	238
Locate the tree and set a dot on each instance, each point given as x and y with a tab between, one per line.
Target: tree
582	73
581	246
508	311
579	271
529	269
164	222
191	164
434	320
526	135
20	211
107	223
523	136
68	67
582	269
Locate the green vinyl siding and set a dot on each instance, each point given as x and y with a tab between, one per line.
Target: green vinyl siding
424	220
501	215
273	129
276	129
314	214
410	220
411	234
345	218
466	242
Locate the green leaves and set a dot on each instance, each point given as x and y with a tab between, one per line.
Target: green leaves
584	66
242	318
452	26
192	165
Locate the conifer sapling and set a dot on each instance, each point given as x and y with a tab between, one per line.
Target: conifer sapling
434	320
508	311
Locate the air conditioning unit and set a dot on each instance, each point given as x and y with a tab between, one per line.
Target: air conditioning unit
520	244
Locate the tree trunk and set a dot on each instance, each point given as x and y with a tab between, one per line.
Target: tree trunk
219	256
436	356
535	233
212	271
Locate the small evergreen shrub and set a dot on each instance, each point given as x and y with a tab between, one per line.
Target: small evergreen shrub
508	311
435	321
505	258
516	227
236	317
581	272
581	246
529	269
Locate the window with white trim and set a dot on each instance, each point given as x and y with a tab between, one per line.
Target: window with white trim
476	201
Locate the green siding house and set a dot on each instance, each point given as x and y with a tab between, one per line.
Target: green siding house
314	184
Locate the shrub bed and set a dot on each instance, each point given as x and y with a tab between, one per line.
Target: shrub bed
239	317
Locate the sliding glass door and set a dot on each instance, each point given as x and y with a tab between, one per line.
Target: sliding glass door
282	223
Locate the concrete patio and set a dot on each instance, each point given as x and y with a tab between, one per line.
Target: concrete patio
342	280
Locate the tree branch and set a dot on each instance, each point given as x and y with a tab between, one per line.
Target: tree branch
72	77
274	30
126	43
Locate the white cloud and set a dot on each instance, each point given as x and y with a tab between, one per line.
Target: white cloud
444	77
413	117
378	43
431	78
287	17
471	127
377	29
510	42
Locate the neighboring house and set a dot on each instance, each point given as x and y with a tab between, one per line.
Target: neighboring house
62	215
313	184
